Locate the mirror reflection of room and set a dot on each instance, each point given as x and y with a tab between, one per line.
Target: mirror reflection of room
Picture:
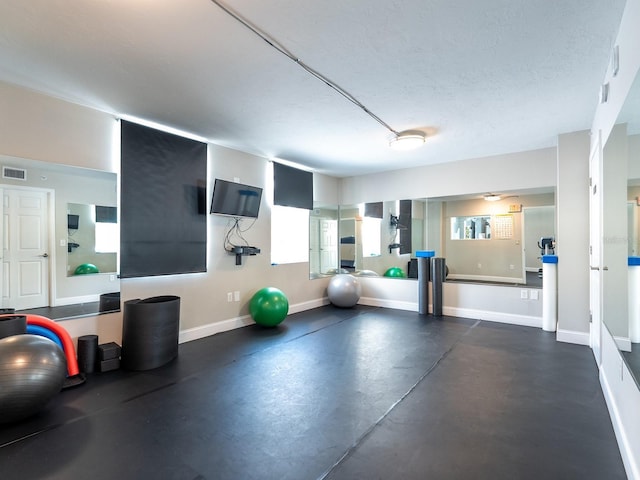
323	241
623	146
497	242
66	194
93	239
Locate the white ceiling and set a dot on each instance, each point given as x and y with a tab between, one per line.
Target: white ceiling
490	76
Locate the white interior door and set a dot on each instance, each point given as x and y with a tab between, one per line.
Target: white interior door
595	249
25	260
328	245
314	245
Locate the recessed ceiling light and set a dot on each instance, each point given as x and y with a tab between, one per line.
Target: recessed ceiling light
408	140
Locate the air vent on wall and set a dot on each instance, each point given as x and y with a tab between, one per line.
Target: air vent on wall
14	173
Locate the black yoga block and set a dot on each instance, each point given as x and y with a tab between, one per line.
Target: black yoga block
108	365
150	330
108	351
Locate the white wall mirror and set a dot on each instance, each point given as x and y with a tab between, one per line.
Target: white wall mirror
621	239
380	238
482	241
93	239
323	241
37	265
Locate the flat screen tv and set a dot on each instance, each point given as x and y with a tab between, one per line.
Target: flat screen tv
73	221
235	199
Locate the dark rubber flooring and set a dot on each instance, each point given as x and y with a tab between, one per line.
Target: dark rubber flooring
362	393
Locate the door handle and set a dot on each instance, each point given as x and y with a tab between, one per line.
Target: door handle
44	255
593	268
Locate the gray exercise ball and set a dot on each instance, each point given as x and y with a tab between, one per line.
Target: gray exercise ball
32	372
344	290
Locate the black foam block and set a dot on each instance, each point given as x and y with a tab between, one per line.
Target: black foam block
108	351
108	365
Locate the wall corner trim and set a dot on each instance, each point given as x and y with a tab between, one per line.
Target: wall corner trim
571	336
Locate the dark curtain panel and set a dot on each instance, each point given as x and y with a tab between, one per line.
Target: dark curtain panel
106	214
292	187
373	210
404	220
163	217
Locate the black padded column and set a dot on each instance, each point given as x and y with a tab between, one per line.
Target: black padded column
424	266
150	330
437	278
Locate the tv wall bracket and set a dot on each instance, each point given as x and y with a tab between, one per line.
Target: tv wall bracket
239	251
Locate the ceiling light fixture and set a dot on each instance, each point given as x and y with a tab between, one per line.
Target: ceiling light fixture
492	197
408	140
416	138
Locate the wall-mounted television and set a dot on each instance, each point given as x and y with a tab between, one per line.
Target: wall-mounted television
73	221
235	199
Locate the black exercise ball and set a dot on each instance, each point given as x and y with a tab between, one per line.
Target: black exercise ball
32	372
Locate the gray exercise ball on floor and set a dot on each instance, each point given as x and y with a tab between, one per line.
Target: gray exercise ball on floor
344	290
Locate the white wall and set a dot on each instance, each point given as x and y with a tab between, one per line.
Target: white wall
43	128
622	394
515	171
572	237
38	127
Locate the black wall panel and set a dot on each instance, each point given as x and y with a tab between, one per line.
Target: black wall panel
405	227
292	187
163	216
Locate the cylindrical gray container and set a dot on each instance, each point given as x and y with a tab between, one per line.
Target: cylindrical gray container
438	274
150	330
424	266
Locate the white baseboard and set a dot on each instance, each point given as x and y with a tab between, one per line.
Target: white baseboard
304	306
398	305
631	468
487	278
513	319
571	336
203	331
59	302
500	317
623	343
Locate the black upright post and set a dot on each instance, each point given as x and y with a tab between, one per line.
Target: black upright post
150	329
424	266
437	278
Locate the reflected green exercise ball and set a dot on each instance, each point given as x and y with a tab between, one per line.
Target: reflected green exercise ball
86	268
396	272
269	306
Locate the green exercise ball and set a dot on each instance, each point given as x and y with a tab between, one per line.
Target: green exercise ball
86	268
269	306
395	272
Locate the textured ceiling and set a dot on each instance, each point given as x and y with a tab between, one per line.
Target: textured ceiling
490	77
